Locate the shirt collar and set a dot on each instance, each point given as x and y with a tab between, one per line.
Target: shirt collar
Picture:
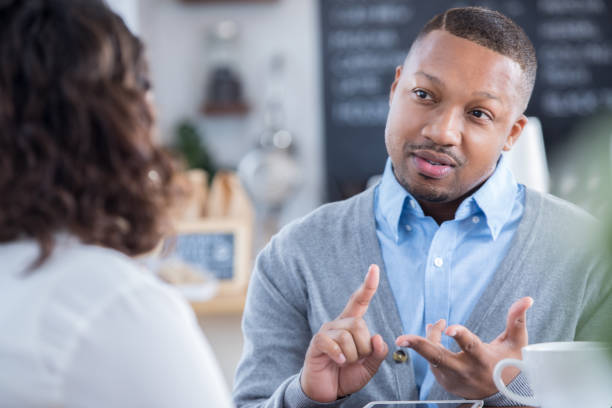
495	198
392	198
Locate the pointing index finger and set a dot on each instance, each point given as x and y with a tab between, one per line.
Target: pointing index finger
434	353
360	299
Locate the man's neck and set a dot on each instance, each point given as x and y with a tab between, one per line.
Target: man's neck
440	212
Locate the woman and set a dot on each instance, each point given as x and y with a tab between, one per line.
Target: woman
82	188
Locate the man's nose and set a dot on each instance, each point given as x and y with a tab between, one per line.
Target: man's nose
445	127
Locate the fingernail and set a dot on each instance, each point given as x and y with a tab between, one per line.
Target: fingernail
452	333
342	358
438	322
405	343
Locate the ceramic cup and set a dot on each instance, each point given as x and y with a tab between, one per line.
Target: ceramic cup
563	375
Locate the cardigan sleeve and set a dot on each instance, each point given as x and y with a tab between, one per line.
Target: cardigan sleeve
276	333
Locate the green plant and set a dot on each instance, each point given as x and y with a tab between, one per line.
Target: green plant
190	145
589	162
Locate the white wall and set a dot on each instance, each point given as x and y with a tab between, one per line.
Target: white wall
175	37
128	10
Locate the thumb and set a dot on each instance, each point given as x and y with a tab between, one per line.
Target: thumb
516	325
379	352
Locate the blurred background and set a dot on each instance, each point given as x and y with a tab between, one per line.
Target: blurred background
292	96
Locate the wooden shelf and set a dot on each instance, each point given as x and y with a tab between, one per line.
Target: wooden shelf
227	109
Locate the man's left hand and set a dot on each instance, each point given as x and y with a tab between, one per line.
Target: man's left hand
469	373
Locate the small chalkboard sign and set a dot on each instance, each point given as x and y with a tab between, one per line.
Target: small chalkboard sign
212	252
219	246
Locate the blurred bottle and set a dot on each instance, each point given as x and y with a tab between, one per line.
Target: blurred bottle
270	172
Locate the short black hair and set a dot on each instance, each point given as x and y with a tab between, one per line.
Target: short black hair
493	30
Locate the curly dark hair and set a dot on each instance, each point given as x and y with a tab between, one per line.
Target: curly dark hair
76	130
493	30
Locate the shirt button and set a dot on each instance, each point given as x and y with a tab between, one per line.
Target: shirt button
408	227
475	219
438	262
400	356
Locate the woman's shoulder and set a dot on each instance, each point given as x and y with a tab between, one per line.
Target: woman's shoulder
144	328
81	298
90	279
97	269
81	274
85	282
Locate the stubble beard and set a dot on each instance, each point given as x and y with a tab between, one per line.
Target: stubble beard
426	191
423	192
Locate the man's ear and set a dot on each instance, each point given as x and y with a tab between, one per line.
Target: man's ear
398	74
515	132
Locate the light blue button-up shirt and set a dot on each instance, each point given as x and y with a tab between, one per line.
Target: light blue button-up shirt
440	271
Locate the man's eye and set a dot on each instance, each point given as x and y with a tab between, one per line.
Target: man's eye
421	94
479	114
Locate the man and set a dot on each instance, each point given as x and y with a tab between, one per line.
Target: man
449	236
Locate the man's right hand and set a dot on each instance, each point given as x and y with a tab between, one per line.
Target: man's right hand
342	356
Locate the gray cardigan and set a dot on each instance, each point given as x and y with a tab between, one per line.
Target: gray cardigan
305	275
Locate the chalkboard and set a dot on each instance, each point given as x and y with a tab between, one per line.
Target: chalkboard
221	246
213	252
362	42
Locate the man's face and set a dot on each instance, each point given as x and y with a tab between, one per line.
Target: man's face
454	106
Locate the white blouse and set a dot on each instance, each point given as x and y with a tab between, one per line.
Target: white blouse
90	328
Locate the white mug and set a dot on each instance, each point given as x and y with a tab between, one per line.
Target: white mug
563	375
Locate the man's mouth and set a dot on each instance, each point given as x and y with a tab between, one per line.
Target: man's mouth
436	158
432	164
